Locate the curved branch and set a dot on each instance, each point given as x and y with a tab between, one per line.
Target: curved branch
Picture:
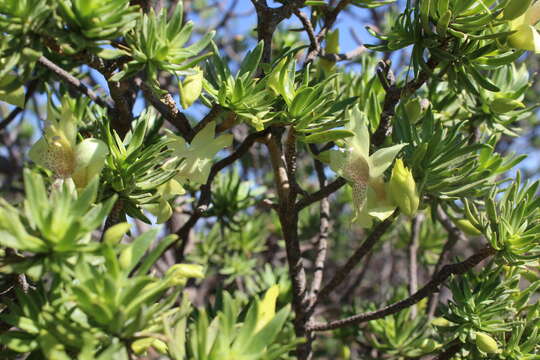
431	287
321	194
75	83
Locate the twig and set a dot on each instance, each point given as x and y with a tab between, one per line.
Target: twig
321	194
432	286
308	26
329	21
168	109
345	298
347	56
393	95
212	115
342	273
74	82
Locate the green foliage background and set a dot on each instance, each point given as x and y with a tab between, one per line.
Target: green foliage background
176	188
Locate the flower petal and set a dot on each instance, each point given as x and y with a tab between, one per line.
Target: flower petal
382	159
360	142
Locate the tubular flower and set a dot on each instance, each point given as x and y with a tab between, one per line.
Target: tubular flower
526	36
402	189
58	151
364	172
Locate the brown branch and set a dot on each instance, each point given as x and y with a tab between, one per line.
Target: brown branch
212	115
329	20
168	109
308	26
393	95
74	82
321	194
347	56
431	287
269	18
343	272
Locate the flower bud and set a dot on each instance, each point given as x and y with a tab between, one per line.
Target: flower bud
90	157
191	88
486	343
140	346
440	322
515	8
402	189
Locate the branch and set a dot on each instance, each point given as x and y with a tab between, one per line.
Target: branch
431	287
75	83
347	56
212	115
343	272
329	21
269	18
321	194
308	26
393	95
168	109
288	217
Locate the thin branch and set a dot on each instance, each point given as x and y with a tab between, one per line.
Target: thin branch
212	115
168	109
321	194
329	21
288	217
347	56
393	95
75	83
308	26
343	272
432	286
347	294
